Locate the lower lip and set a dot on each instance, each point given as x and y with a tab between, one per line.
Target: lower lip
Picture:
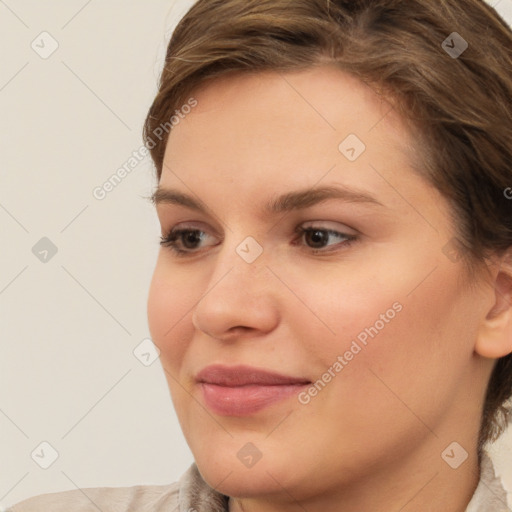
245	400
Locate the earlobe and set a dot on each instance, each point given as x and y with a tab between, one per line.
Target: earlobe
495	333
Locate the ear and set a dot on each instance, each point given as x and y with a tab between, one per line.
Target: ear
495	333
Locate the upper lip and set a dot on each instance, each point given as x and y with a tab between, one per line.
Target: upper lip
243	375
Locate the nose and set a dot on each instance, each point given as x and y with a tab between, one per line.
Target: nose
239	298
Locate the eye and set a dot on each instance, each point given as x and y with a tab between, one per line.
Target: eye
186	241
319	236
185	237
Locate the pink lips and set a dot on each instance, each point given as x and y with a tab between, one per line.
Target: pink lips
243	390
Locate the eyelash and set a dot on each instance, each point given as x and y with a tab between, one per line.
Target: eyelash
171	240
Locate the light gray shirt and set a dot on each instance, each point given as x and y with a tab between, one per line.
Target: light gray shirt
192	494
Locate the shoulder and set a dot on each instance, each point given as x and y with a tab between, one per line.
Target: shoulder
490	495
139	498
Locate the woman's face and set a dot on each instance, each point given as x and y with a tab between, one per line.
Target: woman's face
371	307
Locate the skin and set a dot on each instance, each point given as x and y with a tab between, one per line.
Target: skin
372	438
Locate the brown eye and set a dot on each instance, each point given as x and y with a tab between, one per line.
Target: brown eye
190	238
183	241
317	238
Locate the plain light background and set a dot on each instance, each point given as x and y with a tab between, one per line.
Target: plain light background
70	325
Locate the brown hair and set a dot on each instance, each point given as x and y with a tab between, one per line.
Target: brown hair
458	107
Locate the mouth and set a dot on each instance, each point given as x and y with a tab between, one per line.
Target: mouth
245	390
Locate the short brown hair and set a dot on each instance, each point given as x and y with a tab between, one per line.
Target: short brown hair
458	107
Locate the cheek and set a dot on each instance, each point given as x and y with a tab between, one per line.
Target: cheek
358	309
407	368
168	310
387	317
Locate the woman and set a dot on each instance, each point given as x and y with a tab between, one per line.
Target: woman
333	297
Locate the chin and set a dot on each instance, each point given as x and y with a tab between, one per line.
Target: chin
228	475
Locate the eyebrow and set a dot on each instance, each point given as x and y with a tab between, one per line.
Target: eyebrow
296	200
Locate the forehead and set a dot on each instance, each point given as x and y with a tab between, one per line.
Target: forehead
265	131
324	92
322	105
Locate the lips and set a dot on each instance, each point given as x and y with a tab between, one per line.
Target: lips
244	375
244	390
